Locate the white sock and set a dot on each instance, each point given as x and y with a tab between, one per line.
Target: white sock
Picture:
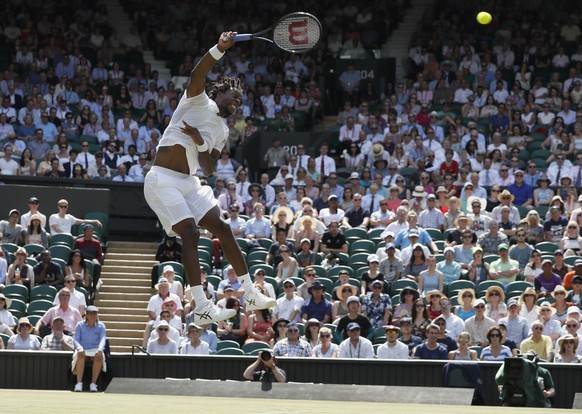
246	281
198	295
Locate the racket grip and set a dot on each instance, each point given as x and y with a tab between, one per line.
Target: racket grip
242	37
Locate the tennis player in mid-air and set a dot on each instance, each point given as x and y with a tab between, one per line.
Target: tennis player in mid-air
195	137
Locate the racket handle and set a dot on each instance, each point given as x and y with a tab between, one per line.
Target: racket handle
242	37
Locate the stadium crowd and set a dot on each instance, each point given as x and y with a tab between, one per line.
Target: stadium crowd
442	221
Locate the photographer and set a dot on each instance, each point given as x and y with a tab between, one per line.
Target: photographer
265	369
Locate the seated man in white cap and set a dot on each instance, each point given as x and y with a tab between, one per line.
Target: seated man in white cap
289	305
450	269
355	346
479	324
392	348
174	323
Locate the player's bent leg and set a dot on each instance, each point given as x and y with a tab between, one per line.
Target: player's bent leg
254	300
206	311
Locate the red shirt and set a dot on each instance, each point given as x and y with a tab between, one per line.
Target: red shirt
91	249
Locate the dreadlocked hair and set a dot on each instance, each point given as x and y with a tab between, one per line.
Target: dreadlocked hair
224	84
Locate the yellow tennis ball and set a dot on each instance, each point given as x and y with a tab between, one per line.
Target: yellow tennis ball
484	18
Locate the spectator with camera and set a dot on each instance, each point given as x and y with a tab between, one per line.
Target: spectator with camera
265	369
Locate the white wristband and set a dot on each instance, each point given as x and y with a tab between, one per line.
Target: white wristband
203	147
215	53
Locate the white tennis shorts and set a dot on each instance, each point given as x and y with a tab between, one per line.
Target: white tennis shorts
174	197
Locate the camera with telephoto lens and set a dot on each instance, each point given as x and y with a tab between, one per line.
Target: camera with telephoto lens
266	355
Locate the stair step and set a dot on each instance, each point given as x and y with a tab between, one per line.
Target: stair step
130	257
124	341
115	303
127	333
122	325
138	263
109	314
113	281
131	245
106	288
130	297
124	275
126	269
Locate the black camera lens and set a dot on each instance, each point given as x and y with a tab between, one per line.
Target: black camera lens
266	355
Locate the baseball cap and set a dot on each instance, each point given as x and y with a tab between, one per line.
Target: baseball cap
168	268
92	308
333	196
502	246
352	325
449	249
390	246
511	302
353	299
479	302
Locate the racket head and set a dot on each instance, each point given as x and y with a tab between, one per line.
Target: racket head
297	32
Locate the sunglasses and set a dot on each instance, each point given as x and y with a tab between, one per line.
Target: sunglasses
537	328
293	330
495	336
392	332
494	294
70	281
325	336
162	329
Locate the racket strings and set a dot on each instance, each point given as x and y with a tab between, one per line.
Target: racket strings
297	34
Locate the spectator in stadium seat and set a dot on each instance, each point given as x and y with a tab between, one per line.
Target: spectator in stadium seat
70	315
431	349
292	345
333	241
10	229
62	222
163	344
491	239
77	299
289	305
48	272
355	346
57	340
23	340
92	250
317	306
479	324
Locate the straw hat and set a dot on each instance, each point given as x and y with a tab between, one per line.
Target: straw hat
528	291
497	289
560	288
348	286
546	305
433	292
419	191
568	337
463	216
287	210
505	193
377	149
462	292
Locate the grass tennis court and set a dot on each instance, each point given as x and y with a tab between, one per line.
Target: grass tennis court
46	402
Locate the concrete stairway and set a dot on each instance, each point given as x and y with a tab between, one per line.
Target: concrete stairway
121	22
125	292
397	45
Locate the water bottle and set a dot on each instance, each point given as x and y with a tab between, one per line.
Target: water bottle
17	273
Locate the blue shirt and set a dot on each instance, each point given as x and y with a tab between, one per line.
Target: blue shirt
517	328
423	352
50	131
401	241
522	193
90	337
254	226
316	310
451	271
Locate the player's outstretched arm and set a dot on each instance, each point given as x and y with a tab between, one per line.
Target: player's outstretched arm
198	74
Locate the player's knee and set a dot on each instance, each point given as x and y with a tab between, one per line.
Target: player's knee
188	232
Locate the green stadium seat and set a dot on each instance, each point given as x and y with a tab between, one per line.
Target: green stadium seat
224	344
398	285
43	292
355	234
17	308
16	292
269	270
367	246
230	351
255	345
62	238
39	307
60	251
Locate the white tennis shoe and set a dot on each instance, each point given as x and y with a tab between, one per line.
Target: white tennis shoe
255	300
78	387
208	313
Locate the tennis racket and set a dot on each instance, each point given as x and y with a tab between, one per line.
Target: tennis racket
295	32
